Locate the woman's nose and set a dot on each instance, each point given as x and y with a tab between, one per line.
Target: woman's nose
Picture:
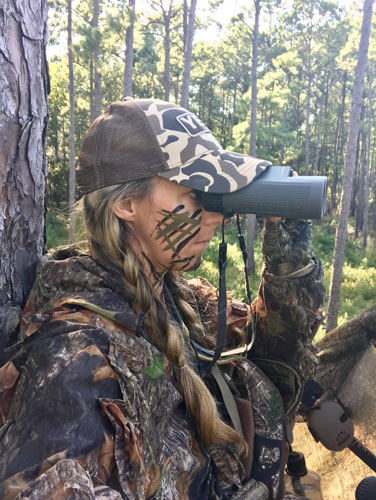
213	217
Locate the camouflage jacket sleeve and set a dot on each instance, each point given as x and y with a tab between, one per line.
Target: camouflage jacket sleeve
288	309
54	429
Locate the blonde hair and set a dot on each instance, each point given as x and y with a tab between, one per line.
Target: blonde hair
110	242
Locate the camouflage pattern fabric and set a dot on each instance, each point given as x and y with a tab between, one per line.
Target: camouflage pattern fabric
287	246
80	397
293	290
140	138
193	155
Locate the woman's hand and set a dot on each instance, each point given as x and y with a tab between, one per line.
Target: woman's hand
287	246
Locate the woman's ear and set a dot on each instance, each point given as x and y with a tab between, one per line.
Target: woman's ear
124	209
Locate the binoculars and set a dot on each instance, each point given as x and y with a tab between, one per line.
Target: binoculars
275	192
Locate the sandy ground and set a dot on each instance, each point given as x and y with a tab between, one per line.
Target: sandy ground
340	472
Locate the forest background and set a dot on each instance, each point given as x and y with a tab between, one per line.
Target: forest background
306	60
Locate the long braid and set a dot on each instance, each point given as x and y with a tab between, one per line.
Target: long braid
109	243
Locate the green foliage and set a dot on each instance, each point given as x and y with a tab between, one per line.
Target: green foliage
235	278
314	40
56	229
358	290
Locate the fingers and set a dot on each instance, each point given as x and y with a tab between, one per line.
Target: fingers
286	245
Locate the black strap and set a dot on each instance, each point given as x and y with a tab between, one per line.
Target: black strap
222	300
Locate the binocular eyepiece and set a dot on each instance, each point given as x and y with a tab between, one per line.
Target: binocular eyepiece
275	193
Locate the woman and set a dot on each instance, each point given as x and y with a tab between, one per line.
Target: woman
112	392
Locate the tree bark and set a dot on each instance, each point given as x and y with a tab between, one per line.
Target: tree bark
234	102
356	175
368	161
341	233
185	22
167	16
97	84
374	201
252	137
339	144
72	155
362	173
318	137
23	166
322	112
188	54
129	52
308	113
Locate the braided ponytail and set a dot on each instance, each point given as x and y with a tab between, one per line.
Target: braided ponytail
109	240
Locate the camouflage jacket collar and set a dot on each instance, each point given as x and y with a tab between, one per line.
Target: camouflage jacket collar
79	280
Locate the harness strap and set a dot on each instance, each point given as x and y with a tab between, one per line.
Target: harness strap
228	399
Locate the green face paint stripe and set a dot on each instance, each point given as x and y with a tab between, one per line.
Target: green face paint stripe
176	225
180	228
177	220
187	240
170	227
193	217
169	214
187	233
177	209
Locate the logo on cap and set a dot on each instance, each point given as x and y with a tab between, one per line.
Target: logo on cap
192	124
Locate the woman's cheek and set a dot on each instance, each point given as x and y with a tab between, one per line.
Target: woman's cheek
175	230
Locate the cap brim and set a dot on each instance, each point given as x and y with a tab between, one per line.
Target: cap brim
218	172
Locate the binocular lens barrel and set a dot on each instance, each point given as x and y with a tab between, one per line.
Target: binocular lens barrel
275	193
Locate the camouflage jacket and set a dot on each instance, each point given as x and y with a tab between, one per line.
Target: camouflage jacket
90	409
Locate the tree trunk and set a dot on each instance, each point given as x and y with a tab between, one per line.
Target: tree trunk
251	219
188	54
91	87
97	98
23	166
72	155
234	103
308	112
341	233
252	138
128	67
338	148
318	137
185	22
362	173
368	162
356	176
374	201
322	113
166	71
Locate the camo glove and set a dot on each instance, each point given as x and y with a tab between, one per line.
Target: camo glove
287	246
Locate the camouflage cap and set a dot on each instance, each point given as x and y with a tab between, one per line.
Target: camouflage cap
140	138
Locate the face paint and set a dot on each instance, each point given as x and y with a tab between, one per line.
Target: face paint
178	228
171	228
187	261
157	277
